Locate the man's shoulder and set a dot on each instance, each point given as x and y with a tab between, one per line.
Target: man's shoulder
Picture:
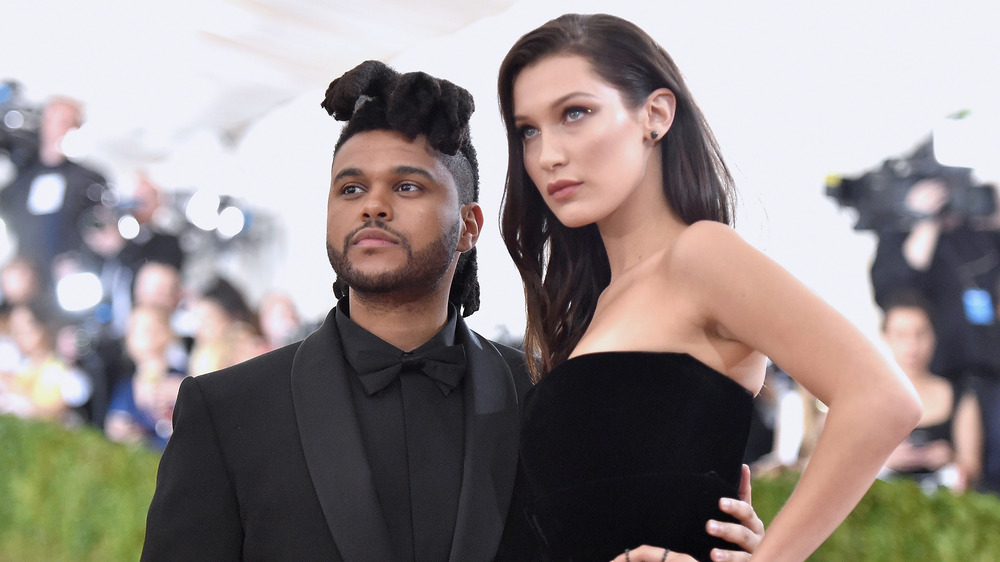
510	354
260	370
514	358
78	172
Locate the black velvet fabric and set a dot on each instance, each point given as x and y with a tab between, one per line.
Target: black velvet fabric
629	448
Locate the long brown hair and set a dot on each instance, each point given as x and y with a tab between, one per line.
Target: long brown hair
565	270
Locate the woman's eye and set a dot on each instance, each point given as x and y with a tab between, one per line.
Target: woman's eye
527	132
575	113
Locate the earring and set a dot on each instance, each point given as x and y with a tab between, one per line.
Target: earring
653	135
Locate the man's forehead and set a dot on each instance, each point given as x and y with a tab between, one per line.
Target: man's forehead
373	152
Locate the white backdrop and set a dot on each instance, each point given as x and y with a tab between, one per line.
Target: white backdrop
793	90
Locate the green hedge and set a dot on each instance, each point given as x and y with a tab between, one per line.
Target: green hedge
898	521
74	496
71	495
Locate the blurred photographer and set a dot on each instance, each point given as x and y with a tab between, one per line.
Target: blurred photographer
46	200
952	259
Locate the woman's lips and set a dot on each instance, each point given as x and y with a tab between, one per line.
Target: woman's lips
562	189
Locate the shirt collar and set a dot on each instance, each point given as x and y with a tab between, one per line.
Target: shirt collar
354	339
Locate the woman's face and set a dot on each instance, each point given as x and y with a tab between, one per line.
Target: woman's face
910	336
27	331
585	150
212	320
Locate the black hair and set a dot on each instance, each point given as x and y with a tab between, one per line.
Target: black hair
908	298
230	299
374	97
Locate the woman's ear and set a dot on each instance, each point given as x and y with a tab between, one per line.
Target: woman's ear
659	111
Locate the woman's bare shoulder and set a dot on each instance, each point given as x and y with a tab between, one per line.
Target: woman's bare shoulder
707	244
709	232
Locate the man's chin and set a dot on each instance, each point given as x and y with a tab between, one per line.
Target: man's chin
374	281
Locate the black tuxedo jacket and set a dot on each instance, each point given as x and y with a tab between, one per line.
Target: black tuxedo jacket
266	461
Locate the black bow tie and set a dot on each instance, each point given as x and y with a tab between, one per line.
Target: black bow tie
445	365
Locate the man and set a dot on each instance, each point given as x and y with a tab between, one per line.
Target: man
391	432
46	202
151	243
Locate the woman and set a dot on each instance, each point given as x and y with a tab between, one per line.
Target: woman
226	332
945	449
649	319
41	385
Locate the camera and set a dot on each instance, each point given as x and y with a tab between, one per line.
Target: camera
879	195
19	122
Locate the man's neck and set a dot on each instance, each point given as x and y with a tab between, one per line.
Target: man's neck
406	324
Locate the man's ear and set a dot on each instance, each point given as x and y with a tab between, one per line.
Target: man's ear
659	112
472	224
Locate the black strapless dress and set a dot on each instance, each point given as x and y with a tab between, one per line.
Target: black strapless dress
627	448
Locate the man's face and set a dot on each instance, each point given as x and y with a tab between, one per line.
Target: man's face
57	120
395	224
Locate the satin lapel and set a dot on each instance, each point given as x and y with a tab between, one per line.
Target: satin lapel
491	441
334	450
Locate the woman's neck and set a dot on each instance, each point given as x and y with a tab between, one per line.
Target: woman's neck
920	377
635	238
642	226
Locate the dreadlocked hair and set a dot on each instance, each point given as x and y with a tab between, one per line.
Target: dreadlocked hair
373	96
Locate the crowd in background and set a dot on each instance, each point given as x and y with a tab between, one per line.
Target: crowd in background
58	367
946	450
117	364
936	278
98	321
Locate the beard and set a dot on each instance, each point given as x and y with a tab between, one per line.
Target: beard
422	272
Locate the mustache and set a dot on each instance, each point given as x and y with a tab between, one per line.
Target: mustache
379	224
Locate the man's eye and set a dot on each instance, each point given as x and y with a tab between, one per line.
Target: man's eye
408	186
575	113
350	189
527	132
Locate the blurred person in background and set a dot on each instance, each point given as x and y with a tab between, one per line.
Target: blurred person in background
19	285
953	261
42	385
142	405
945	449
280	323
161	285
226	329
151	241
101	255
93	289
106	359
19	282
45	202
789	420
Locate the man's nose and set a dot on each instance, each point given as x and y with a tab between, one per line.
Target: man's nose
377	206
